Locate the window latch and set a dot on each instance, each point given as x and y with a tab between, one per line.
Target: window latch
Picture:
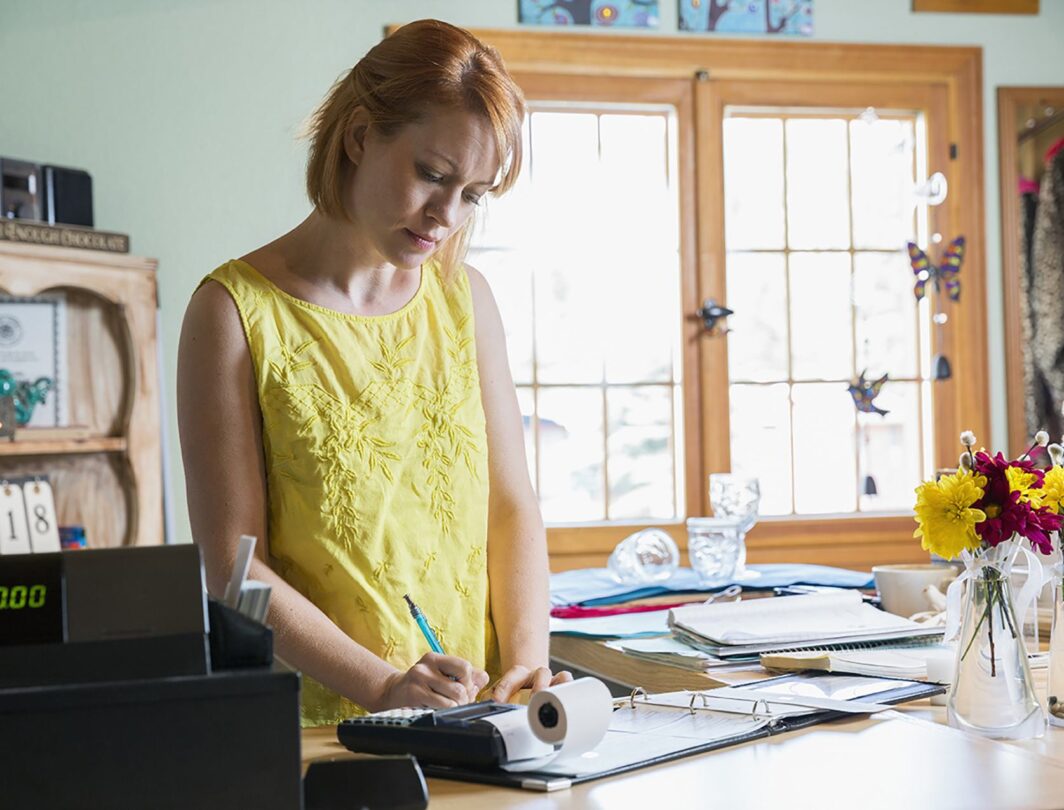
712	316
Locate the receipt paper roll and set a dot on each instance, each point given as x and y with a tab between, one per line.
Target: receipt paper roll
573	717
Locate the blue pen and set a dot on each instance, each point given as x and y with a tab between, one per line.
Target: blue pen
426	631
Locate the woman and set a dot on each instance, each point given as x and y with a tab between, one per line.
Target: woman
344	394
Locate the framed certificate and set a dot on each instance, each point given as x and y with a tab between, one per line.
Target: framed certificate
33	344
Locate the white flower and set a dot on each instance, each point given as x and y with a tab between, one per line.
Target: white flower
1056	453
965	462
968	438
1041	438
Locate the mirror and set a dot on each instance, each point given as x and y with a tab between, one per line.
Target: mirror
1030	128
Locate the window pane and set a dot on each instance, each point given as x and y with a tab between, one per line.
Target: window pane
885	313
825	474
889	447
761	441
583	258
510	278
640	453
641	331
570	320
818	205
571	454
757	293
526	403
821	316
882	166
564	161
753	183
502	222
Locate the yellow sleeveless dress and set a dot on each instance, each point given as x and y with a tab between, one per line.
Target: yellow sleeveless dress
376	465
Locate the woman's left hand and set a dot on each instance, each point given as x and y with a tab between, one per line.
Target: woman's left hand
521	677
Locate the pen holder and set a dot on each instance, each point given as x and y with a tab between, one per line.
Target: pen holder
236	641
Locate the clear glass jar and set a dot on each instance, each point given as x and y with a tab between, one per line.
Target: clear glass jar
713	545
1055	701
645	557
736	497
993	693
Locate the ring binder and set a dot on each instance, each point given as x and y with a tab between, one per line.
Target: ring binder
704	720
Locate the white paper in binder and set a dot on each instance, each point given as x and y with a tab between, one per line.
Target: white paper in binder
562	722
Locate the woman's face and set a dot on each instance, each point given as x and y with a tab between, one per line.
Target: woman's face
412	190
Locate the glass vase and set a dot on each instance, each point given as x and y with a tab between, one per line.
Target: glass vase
1055	702
992	693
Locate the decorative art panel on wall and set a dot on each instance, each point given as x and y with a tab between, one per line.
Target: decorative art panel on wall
606	13
794	17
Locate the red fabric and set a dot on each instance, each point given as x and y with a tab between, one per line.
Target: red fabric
1028	186
1052	151
577	612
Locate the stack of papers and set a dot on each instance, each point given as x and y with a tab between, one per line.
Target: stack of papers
622	625
596	586
670	652
830	620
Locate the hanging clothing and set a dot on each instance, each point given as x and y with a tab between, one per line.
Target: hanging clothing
1036	396
1047	293
377	467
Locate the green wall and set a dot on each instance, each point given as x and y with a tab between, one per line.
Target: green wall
186	113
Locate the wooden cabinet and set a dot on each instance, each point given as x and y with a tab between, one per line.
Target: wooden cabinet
109	481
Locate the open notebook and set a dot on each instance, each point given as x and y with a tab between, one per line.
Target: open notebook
821	620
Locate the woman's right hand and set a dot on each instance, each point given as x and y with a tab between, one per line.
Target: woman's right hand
436	681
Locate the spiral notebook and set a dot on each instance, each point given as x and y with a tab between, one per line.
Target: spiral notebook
650	729
838	620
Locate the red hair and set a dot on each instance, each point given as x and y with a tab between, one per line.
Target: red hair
424	64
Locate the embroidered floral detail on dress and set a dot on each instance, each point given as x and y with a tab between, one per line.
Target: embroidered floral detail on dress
441	438
391	644
426	567
381	570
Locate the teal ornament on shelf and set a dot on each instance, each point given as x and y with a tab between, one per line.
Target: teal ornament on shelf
24	394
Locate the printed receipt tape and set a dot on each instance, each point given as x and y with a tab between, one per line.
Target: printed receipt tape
572	716
562	721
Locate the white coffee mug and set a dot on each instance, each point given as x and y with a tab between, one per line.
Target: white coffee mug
901	587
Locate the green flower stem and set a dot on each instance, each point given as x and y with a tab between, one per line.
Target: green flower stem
994	585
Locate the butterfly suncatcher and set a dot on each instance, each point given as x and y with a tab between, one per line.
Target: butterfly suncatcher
944	274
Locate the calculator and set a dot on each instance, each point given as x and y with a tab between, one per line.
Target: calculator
457	736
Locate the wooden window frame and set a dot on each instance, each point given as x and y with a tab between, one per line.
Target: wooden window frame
955	75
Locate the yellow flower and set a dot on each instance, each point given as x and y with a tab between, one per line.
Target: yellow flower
1020	481
1053	489
944	514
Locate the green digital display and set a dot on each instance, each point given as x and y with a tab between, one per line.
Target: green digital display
32	599
20	597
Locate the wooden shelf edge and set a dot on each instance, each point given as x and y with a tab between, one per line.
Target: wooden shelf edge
58	447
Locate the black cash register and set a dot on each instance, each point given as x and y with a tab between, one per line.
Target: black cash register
116	693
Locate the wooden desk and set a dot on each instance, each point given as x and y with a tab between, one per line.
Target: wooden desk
906	758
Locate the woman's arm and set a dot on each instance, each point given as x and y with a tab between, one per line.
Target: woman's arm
518	573
225	479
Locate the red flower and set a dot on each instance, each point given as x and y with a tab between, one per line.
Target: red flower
1006	514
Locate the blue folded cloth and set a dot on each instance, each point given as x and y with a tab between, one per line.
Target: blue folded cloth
595	586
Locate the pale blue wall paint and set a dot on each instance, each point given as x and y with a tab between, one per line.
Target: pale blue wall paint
186	113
